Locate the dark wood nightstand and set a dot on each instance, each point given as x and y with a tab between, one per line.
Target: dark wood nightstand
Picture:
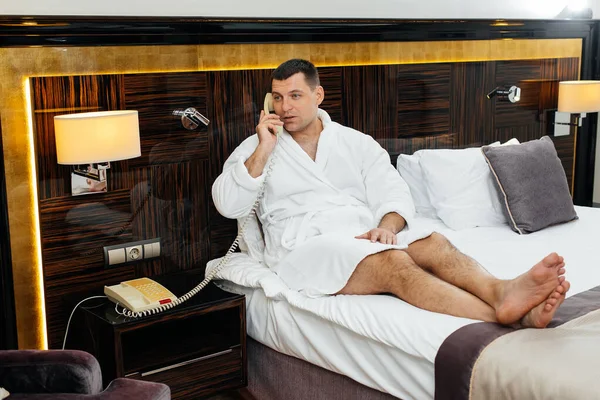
198	348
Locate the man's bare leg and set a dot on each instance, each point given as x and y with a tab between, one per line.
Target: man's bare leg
393	271
512	299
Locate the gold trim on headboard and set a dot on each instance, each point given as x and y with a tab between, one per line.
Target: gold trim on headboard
18	64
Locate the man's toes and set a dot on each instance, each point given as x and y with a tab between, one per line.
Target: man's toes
552	301
561	279
566	285
555	295
562	271
560	288
551	259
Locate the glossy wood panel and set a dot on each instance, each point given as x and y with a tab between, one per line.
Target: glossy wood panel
236	99
163	138
170	202
472	115
74	230
423	100
370	99
464	35
331	80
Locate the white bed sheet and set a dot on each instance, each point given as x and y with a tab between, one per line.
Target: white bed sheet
381	341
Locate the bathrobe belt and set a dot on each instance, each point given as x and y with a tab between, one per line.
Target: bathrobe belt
278	214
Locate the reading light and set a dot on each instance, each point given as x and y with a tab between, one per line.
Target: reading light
191	118
575	99
513	94
89	141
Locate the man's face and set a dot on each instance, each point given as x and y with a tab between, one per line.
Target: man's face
295	102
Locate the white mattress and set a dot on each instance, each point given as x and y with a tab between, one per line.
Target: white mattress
381	341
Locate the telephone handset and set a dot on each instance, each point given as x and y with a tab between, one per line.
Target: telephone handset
142	297
269	109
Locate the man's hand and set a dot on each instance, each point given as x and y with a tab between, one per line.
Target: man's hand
380	235
267	139
267	130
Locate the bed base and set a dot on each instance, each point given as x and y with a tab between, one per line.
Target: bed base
276	376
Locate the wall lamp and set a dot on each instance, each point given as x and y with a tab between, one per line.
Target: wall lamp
89	141
575	99
191	118
513	94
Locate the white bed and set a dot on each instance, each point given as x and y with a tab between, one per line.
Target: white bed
381	341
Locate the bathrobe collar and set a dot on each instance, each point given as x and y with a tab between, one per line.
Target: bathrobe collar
324	146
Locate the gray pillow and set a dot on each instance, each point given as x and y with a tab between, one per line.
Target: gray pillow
532	183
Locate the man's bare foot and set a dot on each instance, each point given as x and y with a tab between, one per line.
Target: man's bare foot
540	316
520	295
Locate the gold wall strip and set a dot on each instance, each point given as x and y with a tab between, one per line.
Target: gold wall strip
18	64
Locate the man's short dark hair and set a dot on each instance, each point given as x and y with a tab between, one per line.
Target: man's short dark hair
292	67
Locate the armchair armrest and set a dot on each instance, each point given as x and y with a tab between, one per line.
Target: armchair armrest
50	371
119	389
126	389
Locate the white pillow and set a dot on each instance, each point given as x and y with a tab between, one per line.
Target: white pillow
3	393
410	171
460	187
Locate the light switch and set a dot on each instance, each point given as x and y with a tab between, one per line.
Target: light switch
116	256
156	249
148	250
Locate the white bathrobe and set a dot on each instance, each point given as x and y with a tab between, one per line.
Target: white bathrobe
312	210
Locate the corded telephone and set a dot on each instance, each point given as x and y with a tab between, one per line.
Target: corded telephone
141	297
139	294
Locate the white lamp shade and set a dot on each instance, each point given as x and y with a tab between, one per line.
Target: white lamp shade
96	137
579	96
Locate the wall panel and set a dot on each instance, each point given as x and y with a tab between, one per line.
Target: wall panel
163	139
166	192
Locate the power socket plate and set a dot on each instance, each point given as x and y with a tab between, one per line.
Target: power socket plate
131	252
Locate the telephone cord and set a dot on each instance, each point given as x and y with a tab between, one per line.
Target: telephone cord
73	312
261	192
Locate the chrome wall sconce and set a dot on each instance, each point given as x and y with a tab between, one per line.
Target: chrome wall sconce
89	141
512	94
575	100
191	118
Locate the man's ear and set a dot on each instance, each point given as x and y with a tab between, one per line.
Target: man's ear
320	93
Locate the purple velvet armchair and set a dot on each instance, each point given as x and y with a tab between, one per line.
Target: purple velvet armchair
67	375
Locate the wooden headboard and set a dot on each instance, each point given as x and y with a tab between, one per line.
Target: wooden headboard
406	107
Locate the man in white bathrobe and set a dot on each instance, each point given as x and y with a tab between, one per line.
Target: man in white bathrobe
338	219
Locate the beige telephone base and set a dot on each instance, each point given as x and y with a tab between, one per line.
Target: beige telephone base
139	294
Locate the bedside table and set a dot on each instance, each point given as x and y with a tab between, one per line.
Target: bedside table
197	348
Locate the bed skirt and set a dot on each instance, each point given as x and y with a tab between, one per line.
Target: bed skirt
276	376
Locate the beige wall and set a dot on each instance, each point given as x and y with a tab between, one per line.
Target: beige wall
433	9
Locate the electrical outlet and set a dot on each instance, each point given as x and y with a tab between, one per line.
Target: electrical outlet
131	252
134	253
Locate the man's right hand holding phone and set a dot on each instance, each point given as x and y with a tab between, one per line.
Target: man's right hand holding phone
267	128
267	138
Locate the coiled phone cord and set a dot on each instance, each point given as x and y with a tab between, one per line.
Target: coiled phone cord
261	192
